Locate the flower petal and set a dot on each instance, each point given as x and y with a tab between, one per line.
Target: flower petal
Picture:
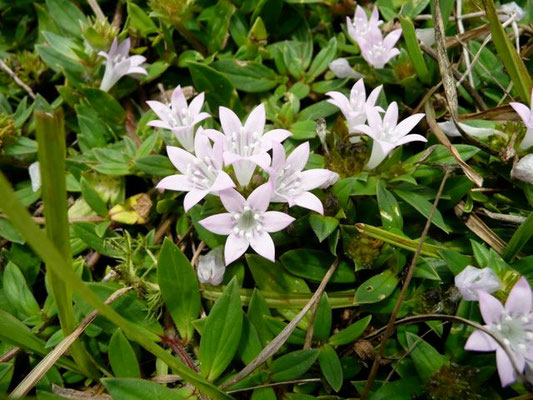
179	183
275	135
373	119
232	200
411	138
202	145
505	368
373	96
263	245
159	124
519	300
244	169
262	159
229	121
380	150
480	341
278	156
222	182
178	100
256	120
274	221
298	158
407	125
391	116
162	111
340	101
313	178
214	135
180	158
523	111
259	199
391	39
234	248
196	104
221	224
310	201
193	197
491	308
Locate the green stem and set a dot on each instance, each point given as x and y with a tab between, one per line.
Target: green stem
21	220
50	130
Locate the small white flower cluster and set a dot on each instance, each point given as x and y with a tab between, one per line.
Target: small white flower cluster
209	156
376	49
364	117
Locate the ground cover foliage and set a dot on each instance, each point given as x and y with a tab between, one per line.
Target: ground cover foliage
158	240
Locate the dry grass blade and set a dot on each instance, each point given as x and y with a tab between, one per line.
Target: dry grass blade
475	33
72	394
476	225
443	139
501	113
48	362
279	340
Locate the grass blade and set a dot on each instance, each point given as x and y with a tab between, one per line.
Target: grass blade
413	48
519	239
510	58
21	219
50	130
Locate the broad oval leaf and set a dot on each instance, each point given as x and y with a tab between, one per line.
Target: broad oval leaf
313	265
122	357
330	365
293	365
350	333
140	389
377	288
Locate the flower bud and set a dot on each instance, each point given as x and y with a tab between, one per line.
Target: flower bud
472	279
211	267
342	69
523	170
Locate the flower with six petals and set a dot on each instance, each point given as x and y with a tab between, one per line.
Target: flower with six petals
119	64
387	133
179	117
354	108
513	324
361	26
200	175
246	146
247	223
378	51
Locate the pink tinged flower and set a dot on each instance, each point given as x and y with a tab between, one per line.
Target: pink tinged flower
200	175
361	25
291	184
513	324
211	267
526	114
471	280
247	223
119	64
354	108
179	117
342	69
388	133
523	170
246	146
378	51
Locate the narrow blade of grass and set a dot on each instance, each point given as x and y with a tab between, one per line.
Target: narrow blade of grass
510	58
50	130
519	239
413	48
21	219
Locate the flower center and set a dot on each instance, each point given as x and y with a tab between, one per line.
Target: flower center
515	332
245	144
288	182
180	118
202	173
247	223
119	58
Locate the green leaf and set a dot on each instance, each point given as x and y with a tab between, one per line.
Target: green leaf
92	198
222	333
218	89
351	333
376	289
122	357
140	21
331	367
66	15
248	76
155	165
250	343
18	293
140	389
322	225
423	206
519	239
427	360
389	210
293	365
507	53
257	311
323	319
313	264
303	130
7	231
218	19
413	48
50	132
179	288
322	60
